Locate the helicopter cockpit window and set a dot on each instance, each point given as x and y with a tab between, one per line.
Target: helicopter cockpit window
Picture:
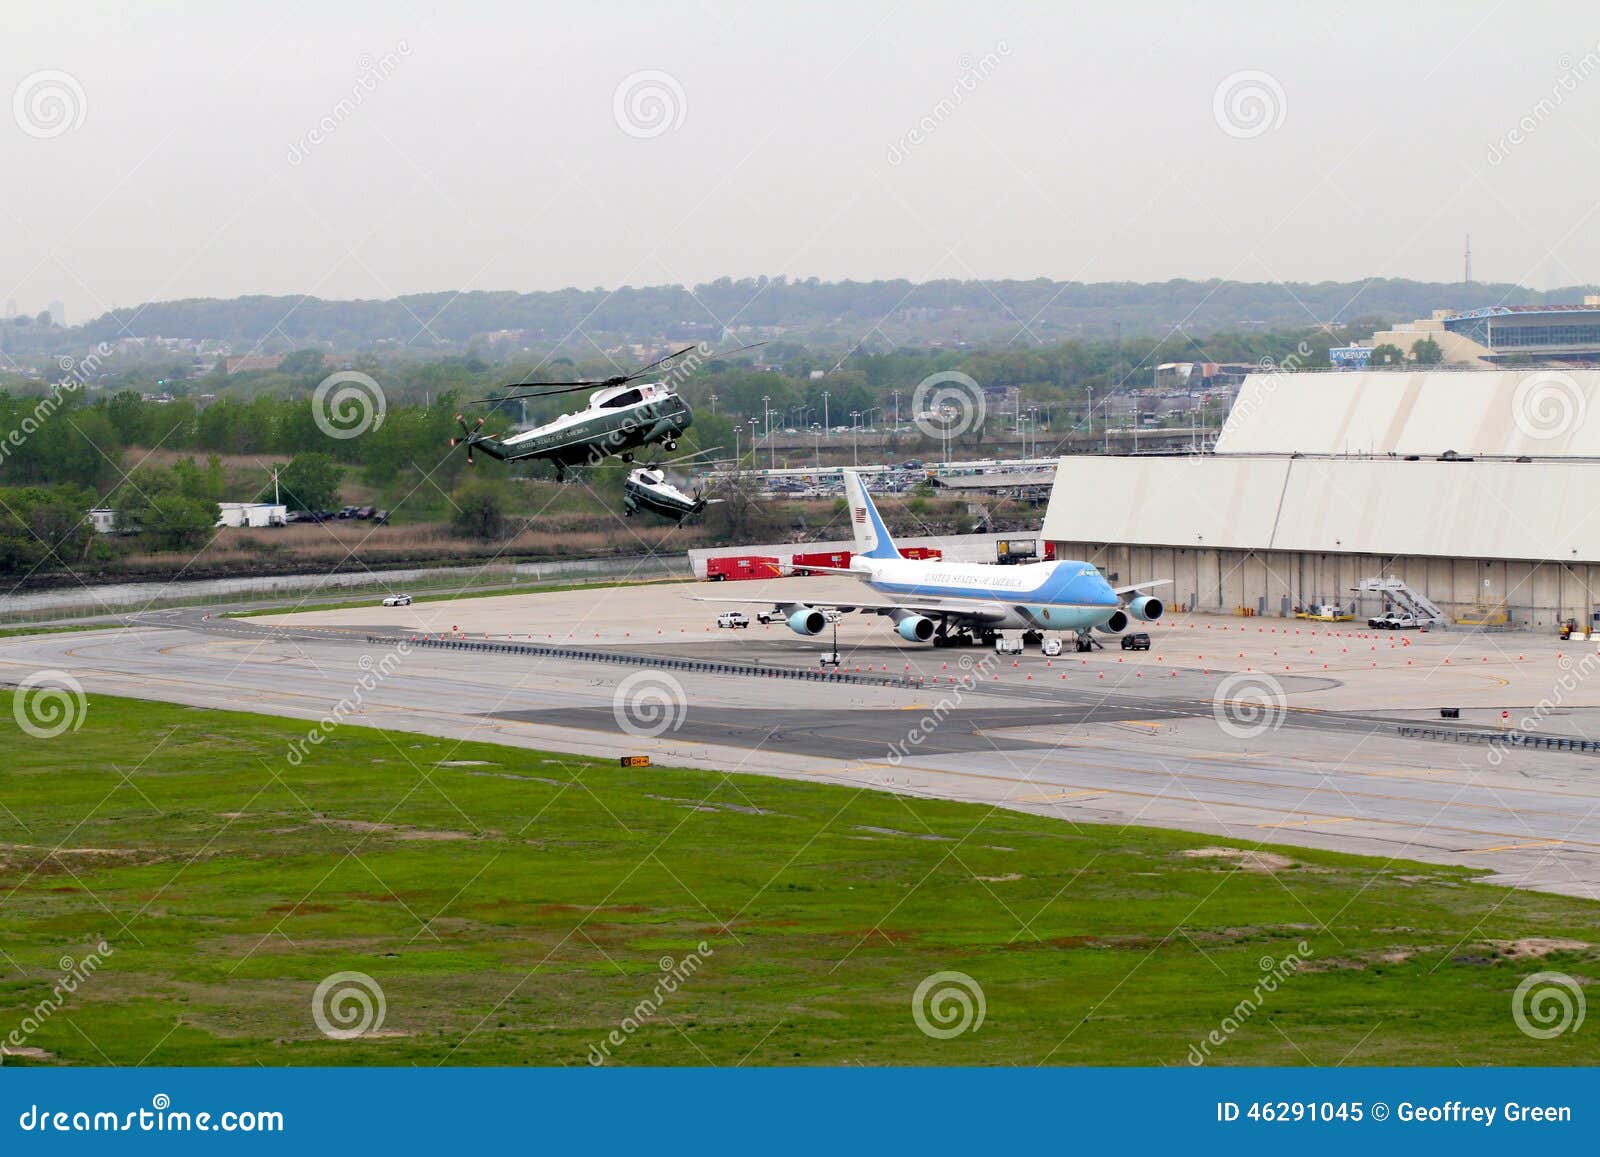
626	398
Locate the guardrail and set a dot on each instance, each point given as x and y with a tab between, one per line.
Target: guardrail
663	662
1503	739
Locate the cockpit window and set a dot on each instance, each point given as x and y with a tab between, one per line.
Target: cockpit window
626	398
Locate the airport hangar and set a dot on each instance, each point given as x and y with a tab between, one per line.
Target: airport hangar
1479	490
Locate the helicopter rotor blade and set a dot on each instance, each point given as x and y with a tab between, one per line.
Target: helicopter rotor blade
566	388
707	358
689	457
642	370
659	366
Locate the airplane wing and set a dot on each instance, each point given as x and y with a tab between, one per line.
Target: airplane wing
966	610
1140	586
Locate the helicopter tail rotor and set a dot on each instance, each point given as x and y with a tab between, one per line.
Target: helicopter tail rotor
469	436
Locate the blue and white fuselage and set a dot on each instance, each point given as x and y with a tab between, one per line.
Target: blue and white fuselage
951	602
1039	596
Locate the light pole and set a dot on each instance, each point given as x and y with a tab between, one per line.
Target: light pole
713	405
896	394
767	414
855	457
752	439
826	429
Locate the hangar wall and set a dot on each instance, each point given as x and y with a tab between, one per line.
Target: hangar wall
1273	582
1550	413
1538	511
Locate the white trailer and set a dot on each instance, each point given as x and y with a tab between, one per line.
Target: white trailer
255	515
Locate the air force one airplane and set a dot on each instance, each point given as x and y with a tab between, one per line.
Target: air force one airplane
961	604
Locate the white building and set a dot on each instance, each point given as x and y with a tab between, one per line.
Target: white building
1479	490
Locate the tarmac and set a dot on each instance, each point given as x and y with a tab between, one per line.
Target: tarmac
1267	731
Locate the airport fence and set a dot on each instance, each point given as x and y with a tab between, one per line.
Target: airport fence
1503	739
661	662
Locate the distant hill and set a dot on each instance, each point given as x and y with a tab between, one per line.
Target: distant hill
823	314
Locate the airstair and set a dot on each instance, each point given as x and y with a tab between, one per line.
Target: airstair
1397	593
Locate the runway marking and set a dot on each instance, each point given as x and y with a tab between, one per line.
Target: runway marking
1057	795
1308	823
1415	826
1514	847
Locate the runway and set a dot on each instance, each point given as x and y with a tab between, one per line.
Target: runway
1149	738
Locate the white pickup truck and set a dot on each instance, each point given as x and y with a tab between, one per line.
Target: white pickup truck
1395	622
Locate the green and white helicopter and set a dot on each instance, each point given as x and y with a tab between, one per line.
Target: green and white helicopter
625	413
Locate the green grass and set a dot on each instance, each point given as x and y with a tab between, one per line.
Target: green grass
456	595
228	882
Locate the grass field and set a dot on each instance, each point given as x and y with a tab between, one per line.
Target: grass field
517	907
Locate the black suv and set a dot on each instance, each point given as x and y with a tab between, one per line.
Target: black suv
1138	642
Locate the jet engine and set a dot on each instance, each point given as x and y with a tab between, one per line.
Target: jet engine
1147	608
914	628
807	621
1117	623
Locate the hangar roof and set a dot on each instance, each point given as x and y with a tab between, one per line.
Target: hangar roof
1538	511
1539	413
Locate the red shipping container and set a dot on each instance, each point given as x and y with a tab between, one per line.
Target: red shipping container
836	561
741	566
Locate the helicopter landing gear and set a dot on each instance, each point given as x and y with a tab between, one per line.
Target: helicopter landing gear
627	455
670	444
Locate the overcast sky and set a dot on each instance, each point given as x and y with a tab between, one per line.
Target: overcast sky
174	150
